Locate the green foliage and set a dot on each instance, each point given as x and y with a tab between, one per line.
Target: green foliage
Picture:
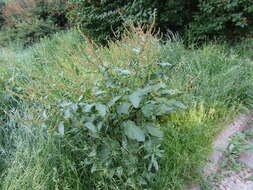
1	14
195	19
229	19
27	33
112	131
100	20
28	21
118	120
45	166
122	150
206	71
81	116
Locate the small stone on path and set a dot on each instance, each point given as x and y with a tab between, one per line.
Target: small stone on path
247	158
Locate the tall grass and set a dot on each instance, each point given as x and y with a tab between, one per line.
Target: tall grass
34	158
215	84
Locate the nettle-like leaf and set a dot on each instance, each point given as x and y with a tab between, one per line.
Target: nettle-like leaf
123	108
133	131
120	128
148	110
87	107
164	109
102	109
91	127
154	131
135	98
177	103
67	114
169	92
114	101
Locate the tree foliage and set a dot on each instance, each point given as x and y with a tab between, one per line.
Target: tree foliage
229	18
216	18
29	20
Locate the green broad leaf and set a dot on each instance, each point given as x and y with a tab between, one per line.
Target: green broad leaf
134	132
87	108
178	104
136	98
102	109
67	113
161	100
114	100
74	107
148	110
123	108
154	131
164	109
142	181
100	125
91	127
169	92
152	88
61	128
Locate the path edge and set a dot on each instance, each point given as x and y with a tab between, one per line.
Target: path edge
221	143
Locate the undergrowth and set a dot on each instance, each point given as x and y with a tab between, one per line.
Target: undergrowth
137	114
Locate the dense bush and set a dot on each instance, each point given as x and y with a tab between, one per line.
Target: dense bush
29	20
101	19
98	19
229	18
27	33
1	14
110	124
121	136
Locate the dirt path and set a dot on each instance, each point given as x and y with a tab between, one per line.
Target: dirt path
235	180
230	166
236	166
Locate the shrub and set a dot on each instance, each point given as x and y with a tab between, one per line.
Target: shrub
121	136
27	33
98	19
226	19
29	20
109	125
1	14
205	19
